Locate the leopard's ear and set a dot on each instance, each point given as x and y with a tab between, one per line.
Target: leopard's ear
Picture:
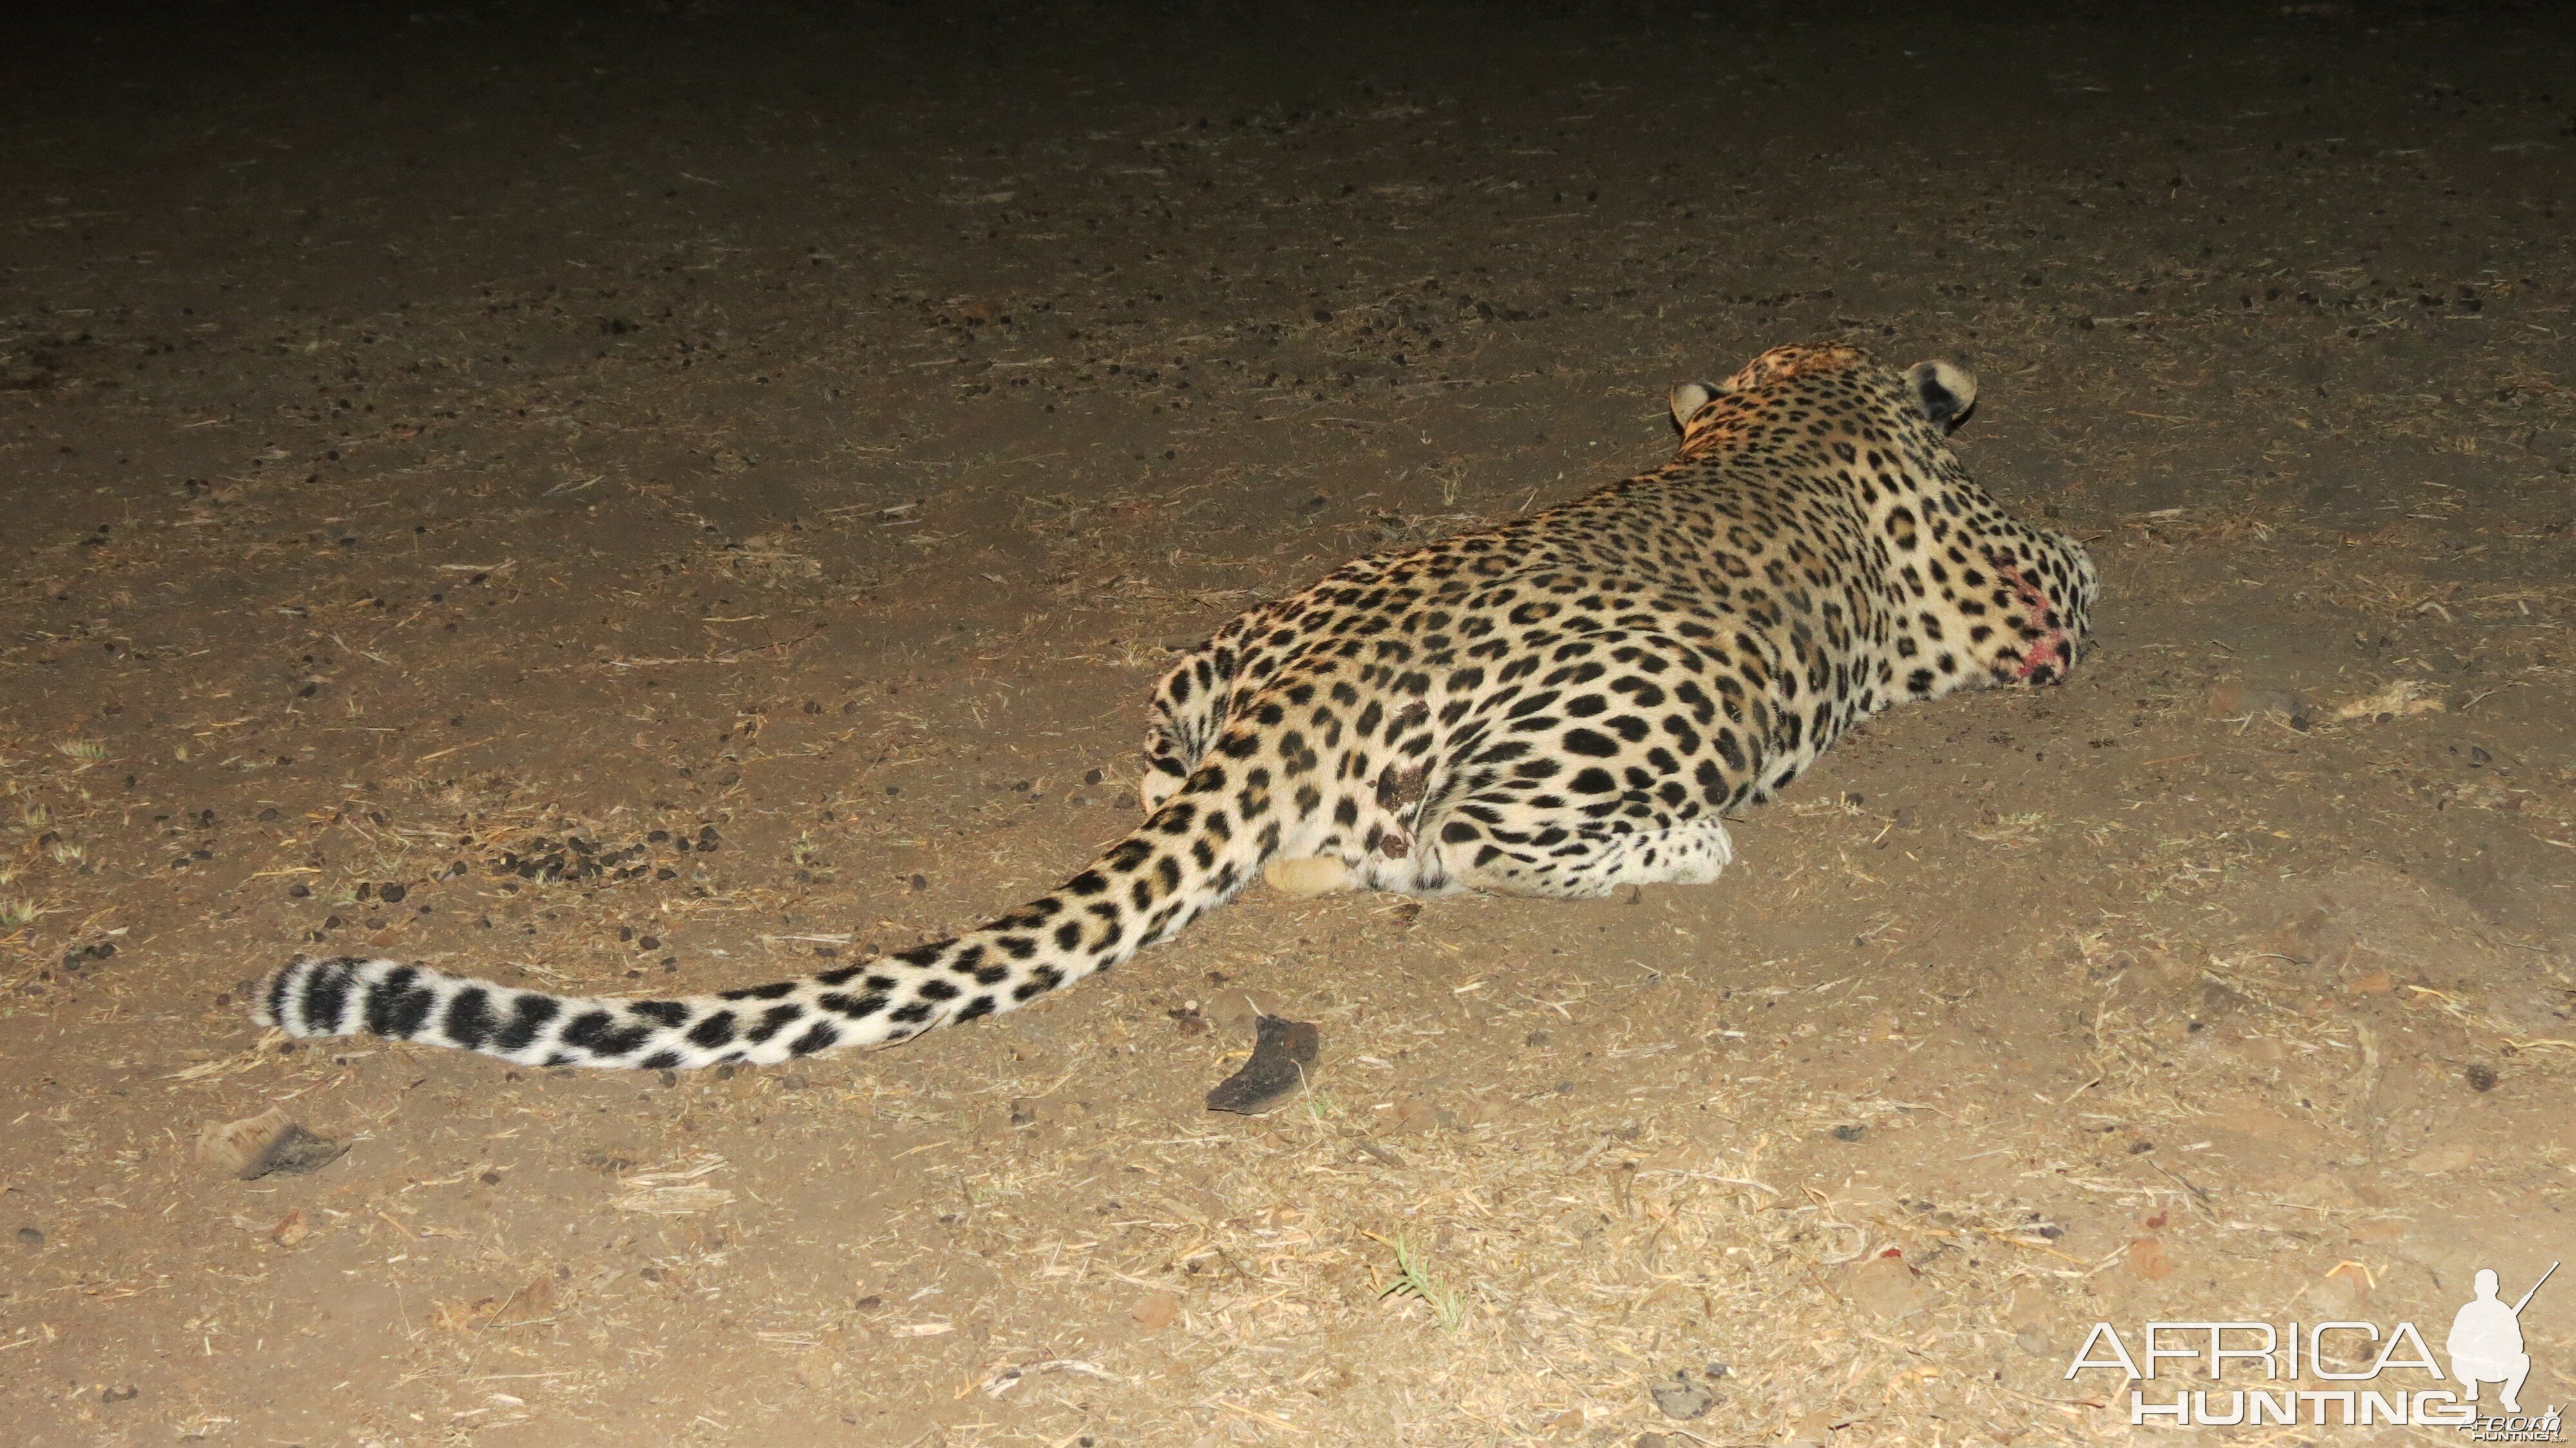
1688	398
1942	392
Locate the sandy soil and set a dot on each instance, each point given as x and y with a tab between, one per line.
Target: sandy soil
453	461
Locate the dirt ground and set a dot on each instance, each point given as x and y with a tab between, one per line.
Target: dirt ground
455	459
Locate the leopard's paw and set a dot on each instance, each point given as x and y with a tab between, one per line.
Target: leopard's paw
1308	875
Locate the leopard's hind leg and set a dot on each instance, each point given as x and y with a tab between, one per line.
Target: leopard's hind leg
1625	785
1590	859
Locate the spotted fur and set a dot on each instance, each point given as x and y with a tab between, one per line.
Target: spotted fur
1557	706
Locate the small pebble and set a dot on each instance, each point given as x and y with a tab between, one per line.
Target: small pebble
1681	1398
1156	1310
1817	1429
31	1237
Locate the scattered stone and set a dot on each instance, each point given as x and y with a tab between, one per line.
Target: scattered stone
1415	1114
1282	1052
1156	1310
2449	1157
2479	1075
1886	1286
2244	701
124	1394
290	1230
255	1146
31	1236
1681	1398
2036	1326
1812	1431
817	1367
1229	1011
2149	1259
2316	936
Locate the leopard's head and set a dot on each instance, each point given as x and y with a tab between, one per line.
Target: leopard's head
1985	598
1698	407
2020	595
2039	603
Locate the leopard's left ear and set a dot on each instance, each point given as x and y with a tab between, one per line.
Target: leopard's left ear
1688	398
1942	392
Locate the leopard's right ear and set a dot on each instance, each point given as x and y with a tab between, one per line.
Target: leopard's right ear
1689	398
1943	392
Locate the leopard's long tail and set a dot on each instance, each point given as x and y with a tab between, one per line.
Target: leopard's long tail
1187	857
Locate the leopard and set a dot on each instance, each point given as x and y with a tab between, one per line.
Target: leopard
1562	705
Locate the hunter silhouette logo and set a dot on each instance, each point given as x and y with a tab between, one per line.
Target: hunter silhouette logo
2360	1371
2486	1340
